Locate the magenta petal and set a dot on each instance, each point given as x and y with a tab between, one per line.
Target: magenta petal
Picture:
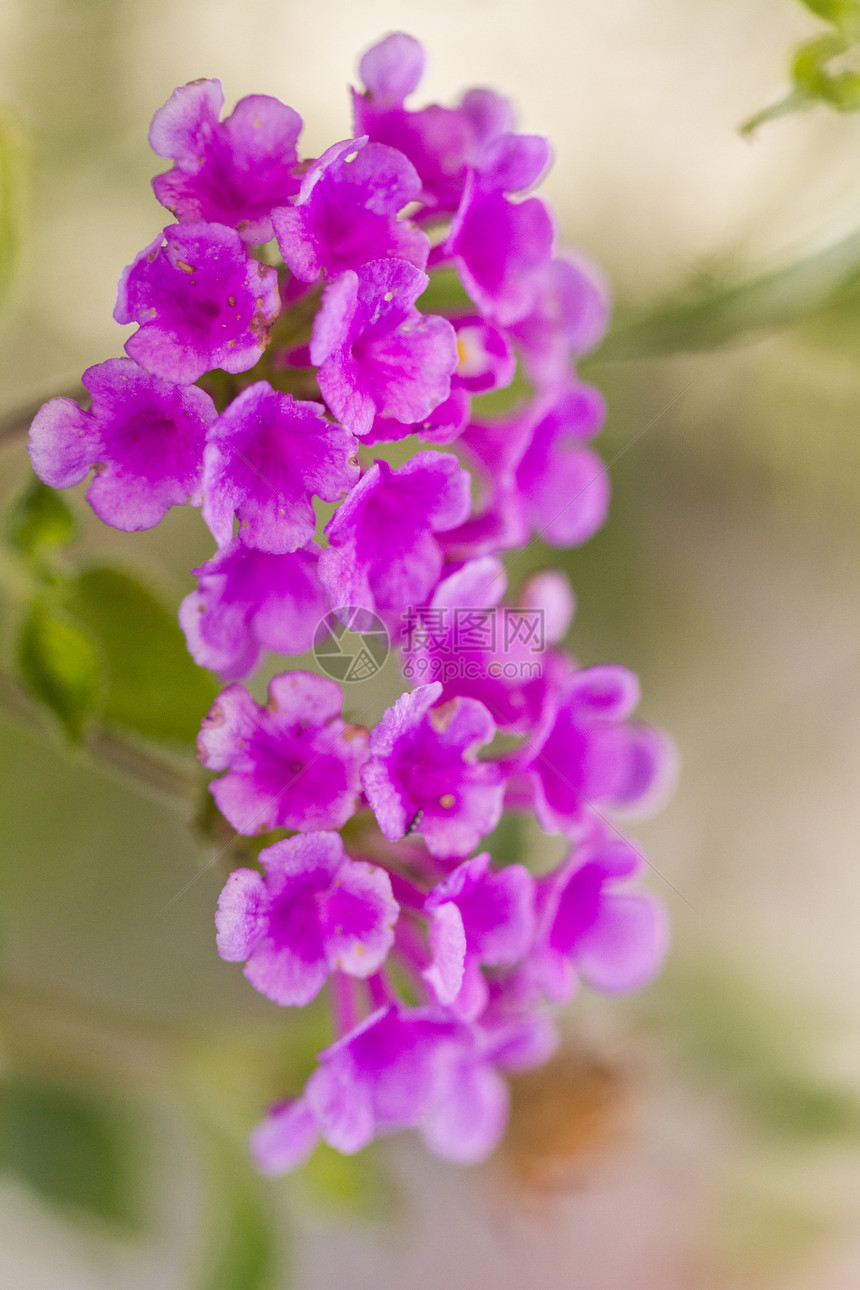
448	946
625	947
342	1106
285	1138
242	907
64	443
467	1123
181	127
360	914
392	69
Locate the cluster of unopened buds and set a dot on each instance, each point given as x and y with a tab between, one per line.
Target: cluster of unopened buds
254	380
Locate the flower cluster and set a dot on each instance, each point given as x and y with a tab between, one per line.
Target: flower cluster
279	334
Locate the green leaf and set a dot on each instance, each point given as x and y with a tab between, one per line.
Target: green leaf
71	1148
40	520
58	664
152	686
815	76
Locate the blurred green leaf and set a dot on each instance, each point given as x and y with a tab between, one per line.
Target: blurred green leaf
721	314
58	664
39	520
240	1239
816	77
803	1109
152	686
844	14
11	181
71	1148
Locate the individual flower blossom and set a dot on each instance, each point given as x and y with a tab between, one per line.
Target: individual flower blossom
585	753
398	1069
541	478
569	318
590	926
293	764
314	911
143	437
423	774
500	247
438	141
384	550
496	653
346	212
267	456
200	301
247	601
227	172
477	916
485	358
377	355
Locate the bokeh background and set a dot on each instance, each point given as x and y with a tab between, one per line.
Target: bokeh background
705	1133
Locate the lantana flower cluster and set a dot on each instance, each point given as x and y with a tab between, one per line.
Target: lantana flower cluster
280	335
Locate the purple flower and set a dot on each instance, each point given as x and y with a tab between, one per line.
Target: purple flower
383	548
443	143
438	141
615	940
500	247
423	774
267	456
507	646
201	303
540	477
314	912
384	1075
293	764
398	1069
585	753
142	436
231	172
248	601
569	318
485	358
477	915
346	212
375	352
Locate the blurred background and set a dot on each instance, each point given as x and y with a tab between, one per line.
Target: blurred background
704	1134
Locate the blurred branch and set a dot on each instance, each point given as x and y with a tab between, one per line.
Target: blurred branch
156	775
